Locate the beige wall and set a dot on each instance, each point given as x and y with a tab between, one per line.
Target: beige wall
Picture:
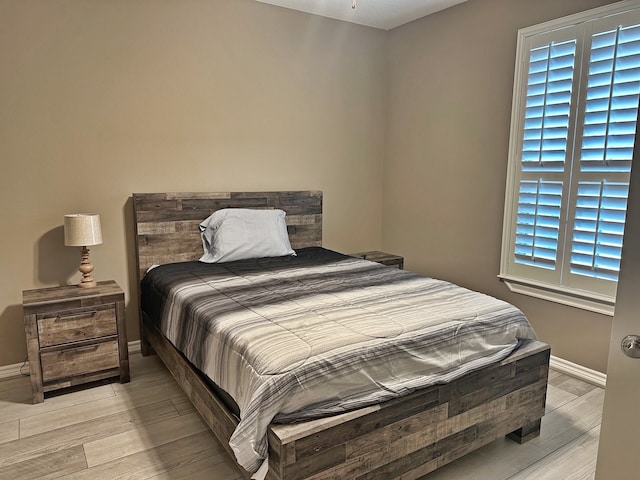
99	99
450	87
104	98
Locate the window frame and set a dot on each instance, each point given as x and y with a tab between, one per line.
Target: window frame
546	284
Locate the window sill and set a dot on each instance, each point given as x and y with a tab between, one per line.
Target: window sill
573	298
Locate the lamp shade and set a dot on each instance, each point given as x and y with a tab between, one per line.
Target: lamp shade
82	229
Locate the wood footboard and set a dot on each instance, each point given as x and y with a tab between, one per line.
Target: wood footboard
403	438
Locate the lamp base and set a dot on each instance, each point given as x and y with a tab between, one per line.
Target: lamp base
86	267
90	284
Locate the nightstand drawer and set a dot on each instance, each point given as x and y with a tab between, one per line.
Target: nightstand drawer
76	325
80	360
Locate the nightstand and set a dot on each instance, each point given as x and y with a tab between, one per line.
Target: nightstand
381	257
74	336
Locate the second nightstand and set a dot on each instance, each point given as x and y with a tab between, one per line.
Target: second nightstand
381	257
74	336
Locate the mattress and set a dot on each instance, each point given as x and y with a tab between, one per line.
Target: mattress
320	333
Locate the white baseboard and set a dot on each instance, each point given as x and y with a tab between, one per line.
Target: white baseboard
8	371
558	364
134	347
578	371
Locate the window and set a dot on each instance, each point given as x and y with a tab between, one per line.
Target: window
573	127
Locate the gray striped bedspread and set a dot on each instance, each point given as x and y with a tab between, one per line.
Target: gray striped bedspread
320	333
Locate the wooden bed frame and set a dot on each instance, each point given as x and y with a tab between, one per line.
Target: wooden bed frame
402	438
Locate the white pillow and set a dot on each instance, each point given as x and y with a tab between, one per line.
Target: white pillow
238	233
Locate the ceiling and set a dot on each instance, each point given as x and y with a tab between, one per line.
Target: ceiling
384	14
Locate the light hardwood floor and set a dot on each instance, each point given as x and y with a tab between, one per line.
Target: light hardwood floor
147	429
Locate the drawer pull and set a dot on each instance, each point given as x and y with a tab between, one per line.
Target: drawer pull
65	316
79	349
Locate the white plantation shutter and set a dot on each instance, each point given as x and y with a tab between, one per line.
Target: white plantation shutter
546	118
538	223
573	133
544	151
598	229
612	101
611	112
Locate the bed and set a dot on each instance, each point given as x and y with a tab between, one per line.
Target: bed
405	437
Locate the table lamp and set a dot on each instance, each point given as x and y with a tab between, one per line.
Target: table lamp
83	230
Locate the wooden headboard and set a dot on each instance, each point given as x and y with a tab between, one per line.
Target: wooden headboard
167	223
